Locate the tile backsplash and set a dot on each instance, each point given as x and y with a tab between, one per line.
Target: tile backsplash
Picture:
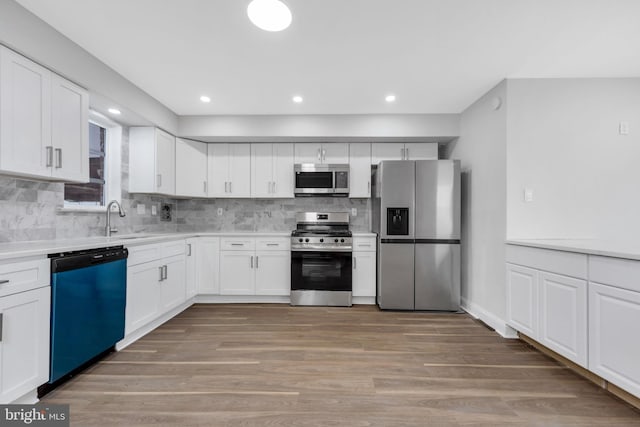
30	210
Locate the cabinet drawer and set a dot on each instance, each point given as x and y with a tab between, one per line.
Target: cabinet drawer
364	244
273	244
142	254
566	263
173	248
237	244
23	276
621	273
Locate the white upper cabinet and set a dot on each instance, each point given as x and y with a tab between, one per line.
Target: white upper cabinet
330	153
229	170
272	170
152	161
191	168
398	151
44	131
360	169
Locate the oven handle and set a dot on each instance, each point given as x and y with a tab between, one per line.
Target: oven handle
325	251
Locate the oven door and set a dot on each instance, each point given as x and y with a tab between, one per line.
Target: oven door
320	271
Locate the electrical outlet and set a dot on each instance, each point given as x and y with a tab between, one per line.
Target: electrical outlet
528	195
141	209
220	211
354	211
154	210
623	128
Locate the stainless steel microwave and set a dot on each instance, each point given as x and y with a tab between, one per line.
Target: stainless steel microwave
321	180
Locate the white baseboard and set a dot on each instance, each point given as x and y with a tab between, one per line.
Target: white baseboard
139	333
241	299
30	398
489	318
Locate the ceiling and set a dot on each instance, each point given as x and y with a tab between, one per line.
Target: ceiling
344	56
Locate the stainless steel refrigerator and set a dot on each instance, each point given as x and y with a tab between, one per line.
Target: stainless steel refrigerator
416	213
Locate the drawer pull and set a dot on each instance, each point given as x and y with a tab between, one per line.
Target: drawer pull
2	282
1	318
237	244
273	244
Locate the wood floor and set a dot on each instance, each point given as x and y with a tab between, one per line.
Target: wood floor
275	365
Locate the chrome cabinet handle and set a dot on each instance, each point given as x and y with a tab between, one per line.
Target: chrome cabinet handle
58	158
406	152
257	261
274	187
161	272
324	154
273	244
2	282
354	262
49	153
204	187
251	261
369	187
159	180
319	155
188	249
166	272
237	244
402	154
1	319
230	187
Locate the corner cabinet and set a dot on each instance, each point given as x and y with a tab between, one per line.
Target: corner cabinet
45	122
25	303
152	161
229	170
191	168
272	170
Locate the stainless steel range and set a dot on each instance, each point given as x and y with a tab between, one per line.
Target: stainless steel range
321	247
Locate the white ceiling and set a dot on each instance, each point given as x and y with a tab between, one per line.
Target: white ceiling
344	56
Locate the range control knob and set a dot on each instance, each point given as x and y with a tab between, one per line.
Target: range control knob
299	240
341	240
306	240
336	240
321	240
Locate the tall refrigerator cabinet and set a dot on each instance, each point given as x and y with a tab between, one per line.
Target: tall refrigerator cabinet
416	214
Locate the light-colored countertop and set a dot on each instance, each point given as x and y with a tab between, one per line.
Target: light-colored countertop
610	248
46	247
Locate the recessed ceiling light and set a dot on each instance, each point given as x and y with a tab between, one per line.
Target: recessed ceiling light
205	99
114	111
297	99
269	15
390	98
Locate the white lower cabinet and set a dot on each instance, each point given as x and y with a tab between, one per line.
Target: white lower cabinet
522	297
156	282
208	265
255	266
25	303
563	315
364	267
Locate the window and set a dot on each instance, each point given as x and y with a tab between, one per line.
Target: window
104	168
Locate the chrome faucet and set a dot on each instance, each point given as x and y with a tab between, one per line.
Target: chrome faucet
121	212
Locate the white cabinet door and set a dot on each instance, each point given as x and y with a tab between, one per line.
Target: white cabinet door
522	299
333	153
191	267
360	169
262	170
420	151
364	274
563	316
208	261
273	273
25	116
614	349
69	130
283	170
165	163
191	168
237	275
240	170
308	153
386	151
24	342
143	295
173	289
218	170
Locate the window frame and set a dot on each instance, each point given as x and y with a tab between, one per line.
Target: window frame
113	165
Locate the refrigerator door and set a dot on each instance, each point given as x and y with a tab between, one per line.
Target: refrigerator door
396	181
395	276
437	276
437	199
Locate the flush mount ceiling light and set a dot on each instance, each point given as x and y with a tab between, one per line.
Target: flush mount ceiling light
269	15
390	98
297	99
114	111
205	99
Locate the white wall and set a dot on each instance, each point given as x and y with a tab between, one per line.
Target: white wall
563	143
29	35
482	151
351	127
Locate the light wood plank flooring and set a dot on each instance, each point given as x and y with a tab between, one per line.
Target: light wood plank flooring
275	365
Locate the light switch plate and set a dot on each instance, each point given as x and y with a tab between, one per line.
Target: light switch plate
528	195
623	128
154	210
354	211
141	209
220	211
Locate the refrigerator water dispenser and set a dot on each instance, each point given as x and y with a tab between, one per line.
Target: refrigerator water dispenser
398	221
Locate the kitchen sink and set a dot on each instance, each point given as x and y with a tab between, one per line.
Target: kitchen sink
137	236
